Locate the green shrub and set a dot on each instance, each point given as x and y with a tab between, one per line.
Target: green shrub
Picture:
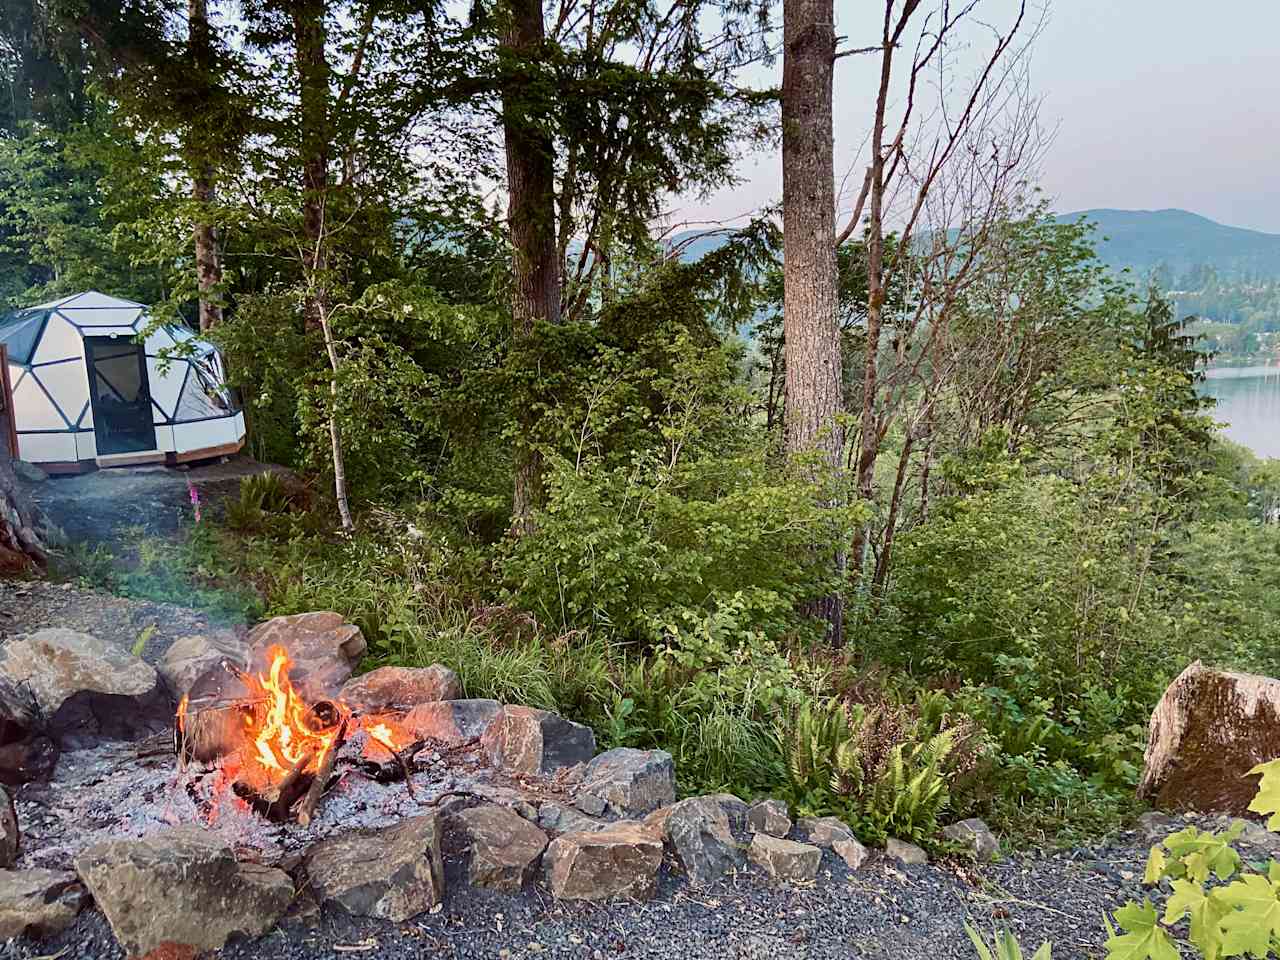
883	767
1232	908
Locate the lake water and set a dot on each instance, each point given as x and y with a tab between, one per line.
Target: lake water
1249	404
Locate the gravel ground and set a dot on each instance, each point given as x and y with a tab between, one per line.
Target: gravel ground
109	506
28	605
882	911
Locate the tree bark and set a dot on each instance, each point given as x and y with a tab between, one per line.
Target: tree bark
21	546
313	82
208	265
810	330
869	430
536	282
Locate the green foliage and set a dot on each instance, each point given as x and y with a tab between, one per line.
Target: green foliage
1231	908
882	767
261	496
1004	946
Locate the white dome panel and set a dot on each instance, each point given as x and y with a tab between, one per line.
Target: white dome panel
93	298
160	339
102	316
68	385
166	386
60	341
124	334
33	409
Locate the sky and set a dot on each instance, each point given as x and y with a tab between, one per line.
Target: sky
1153	104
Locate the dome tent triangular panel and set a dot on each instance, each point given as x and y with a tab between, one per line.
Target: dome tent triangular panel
32	404
77	370
66	385
102	316
20	332
59	341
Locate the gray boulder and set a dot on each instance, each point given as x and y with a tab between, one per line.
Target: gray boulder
699	834
628	783
324	649
904	852
10	842
401	688
619	861
504	848
393	874
38	903
191	657
556	818
822	831
769	817
531	741
785	859
181	886
451	722
975	835
86	688
851	852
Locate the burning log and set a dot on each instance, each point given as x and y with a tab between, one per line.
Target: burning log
307	809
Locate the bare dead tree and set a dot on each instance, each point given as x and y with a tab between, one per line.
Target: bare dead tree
913	153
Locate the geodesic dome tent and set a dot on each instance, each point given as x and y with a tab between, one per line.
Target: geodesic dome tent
86	394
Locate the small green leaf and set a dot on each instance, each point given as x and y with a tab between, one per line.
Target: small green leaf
1143	939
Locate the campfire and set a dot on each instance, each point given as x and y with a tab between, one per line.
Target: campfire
276	746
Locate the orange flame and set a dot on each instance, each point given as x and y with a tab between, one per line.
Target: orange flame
284	732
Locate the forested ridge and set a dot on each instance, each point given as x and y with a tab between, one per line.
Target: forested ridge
913	523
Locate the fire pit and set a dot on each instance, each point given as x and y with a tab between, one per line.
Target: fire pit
276	749
292	778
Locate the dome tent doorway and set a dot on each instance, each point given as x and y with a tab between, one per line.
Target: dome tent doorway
86	394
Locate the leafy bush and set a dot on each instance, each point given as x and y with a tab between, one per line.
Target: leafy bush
1232	908
885	768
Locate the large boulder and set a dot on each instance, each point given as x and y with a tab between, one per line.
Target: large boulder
393	874
628	783
619	861
38	903
84	687
181	887
530	741
191	657
504	848
451	722
1208	731
323	646
699	834
400	688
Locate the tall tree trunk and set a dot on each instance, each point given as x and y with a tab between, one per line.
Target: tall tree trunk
313	101
535	270
208	266
810	331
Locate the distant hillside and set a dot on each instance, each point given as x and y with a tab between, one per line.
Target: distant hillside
1143	239
1137	239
